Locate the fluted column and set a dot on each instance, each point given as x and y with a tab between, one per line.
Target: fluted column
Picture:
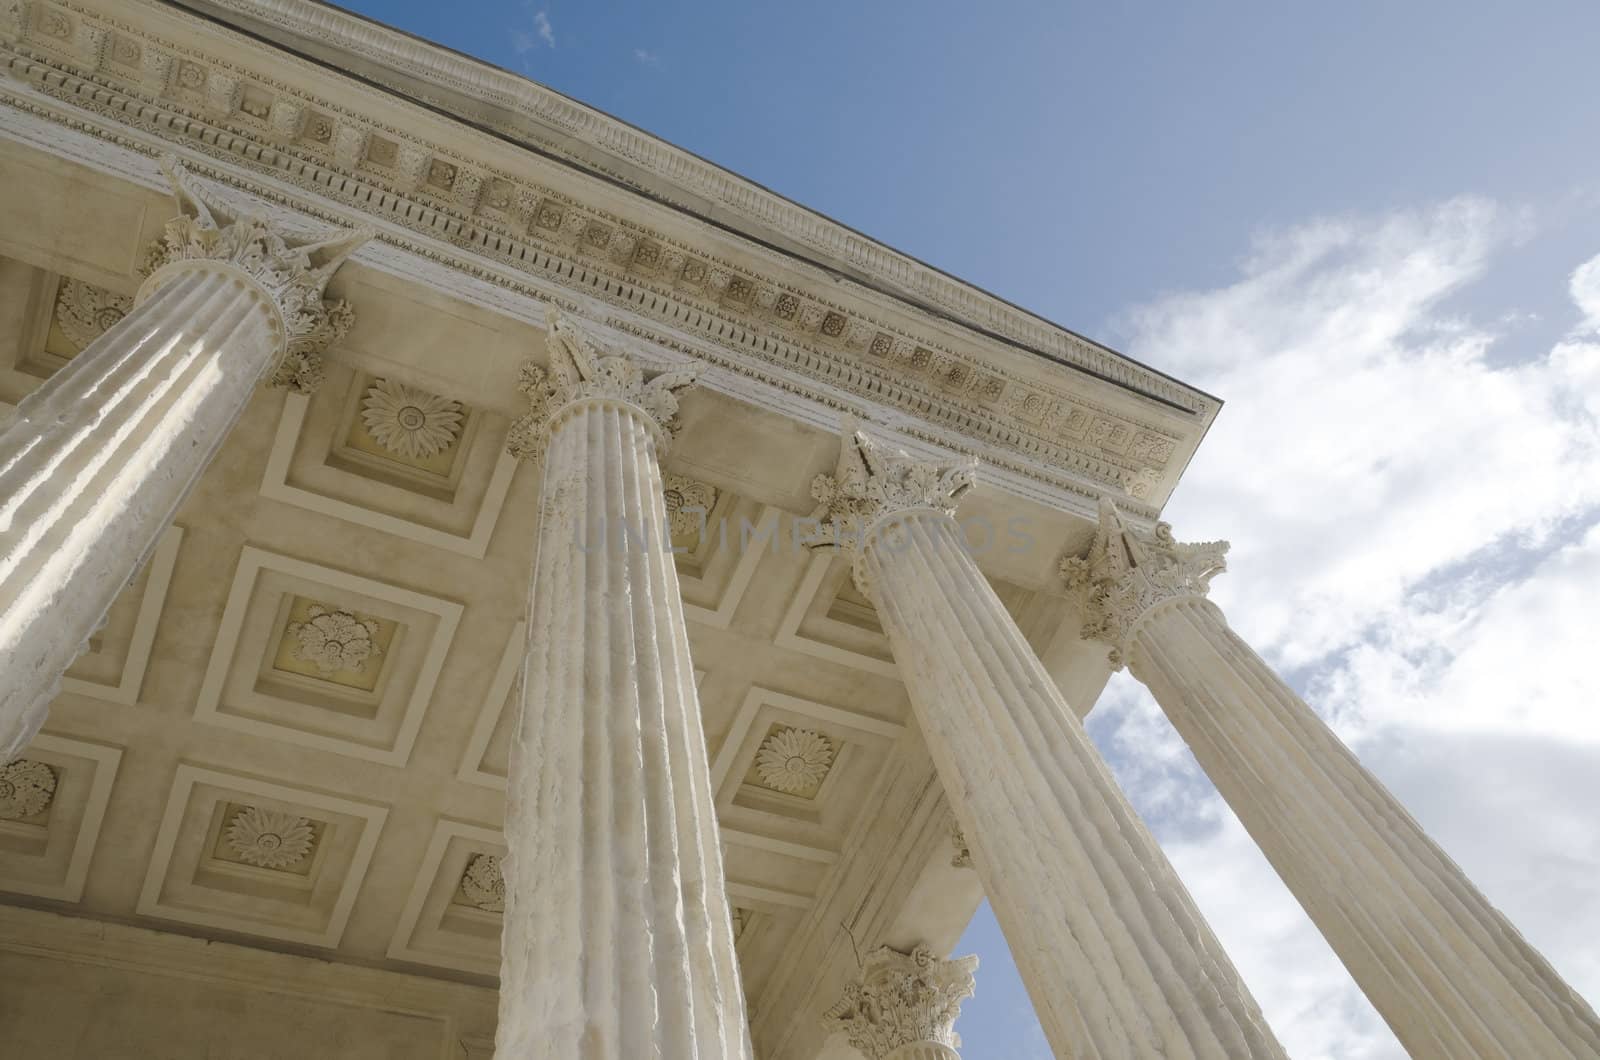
1448	972
904	1005
1115	955
618	944
95	462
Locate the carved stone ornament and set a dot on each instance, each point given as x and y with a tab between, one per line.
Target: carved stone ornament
483	884
795	761
903	999
960	852
689	503
291	274
873	480
84	312
269	839
26	788
410	422
580	370
335	640
1126	573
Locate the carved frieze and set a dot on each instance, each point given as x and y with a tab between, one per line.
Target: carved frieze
817	336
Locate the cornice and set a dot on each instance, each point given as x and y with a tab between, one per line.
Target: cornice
530	111
243	118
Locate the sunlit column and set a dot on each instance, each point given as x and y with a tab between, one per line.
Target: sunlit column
1447	971
618	942
95	462
1115	955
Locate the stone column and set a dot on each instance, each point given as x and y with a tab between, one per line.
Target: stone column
1447	971
904	1006
95	462
1114	953
618	943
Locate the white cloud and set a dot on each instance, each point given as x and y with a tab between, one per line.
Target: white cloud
646	58
543	33
1416	531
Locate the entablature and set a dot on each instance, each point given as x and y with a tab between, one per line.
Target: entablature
527	221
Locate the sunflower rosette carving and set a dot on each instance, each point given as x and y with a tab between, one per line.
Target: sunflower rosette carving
795	761
579	370
409	421
269	839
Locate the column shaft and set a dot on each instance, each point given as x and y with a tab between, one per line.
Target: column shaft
618	943
94	464
1449	973
1116	957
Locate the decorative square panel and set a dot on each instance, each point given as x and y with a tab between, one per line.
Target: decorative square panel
485	762
395	456
452	917
324	658
113	665
720	539
239	853
830	619
790	776
52	801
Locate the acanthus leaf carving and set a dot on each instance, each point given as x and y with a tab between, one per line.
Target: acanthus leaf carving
581	370
1126	573
84	312
903	999
292	274
484	883
335	640
26	788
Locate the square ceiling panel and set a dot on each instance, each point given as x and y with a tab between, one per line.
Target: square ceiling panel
324	658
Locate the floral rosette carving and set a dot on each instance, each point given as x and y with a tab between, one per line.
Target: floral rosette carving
689	503
269	839
26	788
292	274
1125	573
903	999
579	370
484	884
795	761
84	312
335	640
408	421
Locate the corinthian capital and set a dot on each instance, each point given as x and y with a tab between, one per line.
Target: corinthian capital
1126	573
292	274
580	370
872	481
902	1001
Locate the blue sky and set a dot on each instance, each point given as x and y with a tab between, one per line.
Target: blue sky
1374	229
